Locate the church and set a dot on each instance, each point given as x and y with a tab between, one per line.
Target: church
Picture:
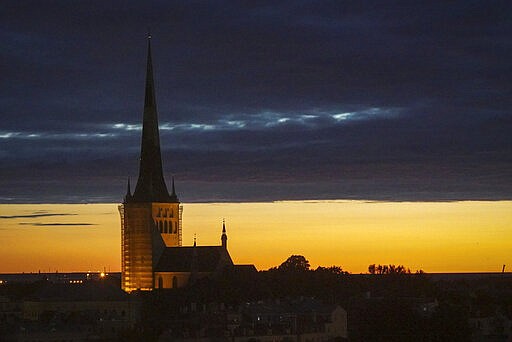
152	255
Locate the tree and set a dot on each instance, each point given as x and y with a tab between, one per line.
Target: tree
333	270
295	263
371	269
390	269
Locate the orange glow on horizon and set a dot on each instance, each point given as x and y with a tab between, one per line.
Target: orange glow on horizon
469	236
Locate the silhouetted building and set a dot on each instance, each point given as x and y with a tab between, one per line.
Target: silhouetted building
48	311
303	319
152	255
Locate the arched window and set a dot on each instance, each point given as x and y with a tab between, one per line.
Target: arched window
160	226
160	282
174	282
166	227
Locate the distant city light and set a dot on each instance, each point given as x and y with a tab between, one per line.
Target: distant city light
102	274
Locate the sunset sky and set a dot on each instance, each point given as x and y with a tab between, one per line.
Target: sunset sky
259	101
349	132
434	237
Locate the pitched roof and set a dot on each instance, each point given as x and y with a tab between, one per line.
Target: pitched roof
249	268
190	259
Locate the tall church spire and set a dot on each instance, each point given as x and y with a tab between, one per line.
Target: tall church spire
150	184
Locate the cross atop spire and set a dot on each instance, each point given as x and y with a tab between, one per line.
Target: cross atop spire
151	184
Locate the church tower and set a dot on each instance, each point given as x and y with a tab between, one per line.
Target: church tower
150	217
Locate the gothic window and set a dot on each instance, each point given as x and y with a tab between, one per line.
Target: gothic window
166	227
160	282
160	226
174	282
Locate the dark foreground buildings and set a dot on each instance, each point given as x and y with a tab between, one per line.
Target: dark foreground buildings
98	310
71	307
260	306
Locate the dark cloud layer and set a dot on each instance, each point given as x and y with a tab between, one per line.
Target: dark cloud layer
54	224
259	101
35	215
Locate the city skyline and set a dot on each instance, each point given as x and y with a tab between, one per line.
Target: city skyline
259	103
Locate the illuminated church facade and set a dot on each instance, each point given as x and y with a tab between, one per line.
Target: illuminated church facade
152	255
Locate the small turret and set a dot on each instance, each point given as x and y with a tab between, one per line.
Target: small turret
174	197
224	236
128	196
193	262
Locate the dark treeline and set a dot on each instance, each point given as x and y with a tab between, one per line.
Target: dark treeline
390	269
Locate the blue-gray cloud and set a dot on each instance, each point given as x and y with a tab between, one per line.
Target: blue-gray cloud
259	101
